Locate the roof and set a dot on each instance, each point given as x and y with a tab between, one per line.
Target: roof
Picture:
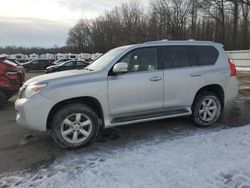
181	42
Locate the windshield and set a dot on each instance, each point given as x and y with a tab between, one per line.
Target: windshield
104	60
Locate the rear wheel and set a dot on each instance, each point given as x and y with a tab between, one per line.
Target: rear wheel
75	126
206	109
2	99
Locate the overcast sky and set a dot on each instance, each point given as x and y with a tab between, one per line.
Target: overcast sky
46	22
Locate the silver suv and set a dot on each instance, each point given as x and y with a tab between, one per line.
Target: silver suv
130	84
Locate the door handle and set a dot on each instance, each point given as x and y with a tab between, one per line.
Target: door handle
156	78
196	74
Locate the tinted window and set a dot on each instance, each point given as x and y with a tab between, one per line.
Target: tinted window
69	64
34	62
205	55
80	63
175	56
144	59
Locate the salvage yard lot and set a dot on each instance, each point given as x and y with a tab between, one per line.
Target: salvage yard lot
22	149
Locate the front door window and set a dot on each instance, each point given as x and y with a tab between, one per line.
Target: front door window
144	59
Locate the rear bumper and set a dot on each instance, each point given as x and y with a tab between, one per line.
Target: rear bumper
231	91
33	113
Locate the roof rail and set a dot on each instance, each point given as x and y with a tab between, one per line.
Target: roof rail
155	41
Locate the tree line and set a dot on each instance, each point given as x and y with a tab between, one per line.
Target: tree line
225	21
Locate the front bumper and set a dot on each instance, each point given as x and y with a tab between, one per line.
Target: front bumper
33	113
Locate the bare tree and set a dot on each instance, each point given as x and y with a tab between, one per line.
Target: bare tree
79	36
174	14
245	13
215	20
235	8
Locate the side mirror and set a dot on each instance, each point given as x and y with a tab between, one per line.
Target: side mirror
120	68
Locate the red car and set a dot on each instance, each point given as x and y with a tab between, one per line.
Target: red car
11	79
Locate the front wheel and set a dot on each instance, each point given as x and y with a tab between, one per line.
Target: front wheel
206	109
75	126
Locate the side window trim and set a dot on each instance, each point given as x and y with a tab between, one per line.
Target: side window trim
191	53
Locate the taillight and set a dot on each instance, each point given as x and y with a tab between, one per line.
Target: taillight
232	67
11	72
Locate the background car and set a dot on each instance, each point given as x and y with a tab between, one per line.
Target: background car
37	64
10	80
68	65
60	61
20	68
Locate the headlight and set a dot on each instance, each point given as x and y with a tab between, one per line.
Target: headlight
33	89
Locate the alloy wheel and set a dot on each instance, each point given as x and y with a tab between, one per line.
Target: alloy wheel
76	128
208	109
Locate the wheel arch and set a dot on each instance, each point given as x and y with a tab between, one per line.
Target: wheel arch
215	88
90	101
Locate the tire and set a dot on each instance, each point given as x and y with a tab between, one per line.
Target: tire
74	119
8	95
206	109
2	99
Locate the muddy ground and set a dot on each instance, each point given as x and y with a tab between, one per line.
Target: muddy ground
23	149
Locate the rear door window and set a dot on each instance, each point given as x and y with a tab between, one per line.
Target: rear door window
205	55
174	57
80	63
70	64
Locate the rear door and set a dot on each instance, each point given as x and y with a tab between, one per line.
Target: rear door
182	76
207	57
43	64
33	65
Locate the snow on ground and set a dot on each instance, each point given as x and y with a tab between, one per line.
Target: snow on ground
210	158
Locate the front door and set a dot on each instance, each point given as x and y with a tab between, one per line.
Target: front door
140	90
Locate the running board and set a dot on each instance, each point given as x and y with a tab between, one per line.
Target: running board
166	113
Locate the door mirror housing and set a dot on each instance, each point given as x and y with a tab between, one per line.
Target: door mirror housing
120	68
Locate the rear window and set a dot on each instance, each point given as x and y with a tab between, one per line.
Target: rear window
205	55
